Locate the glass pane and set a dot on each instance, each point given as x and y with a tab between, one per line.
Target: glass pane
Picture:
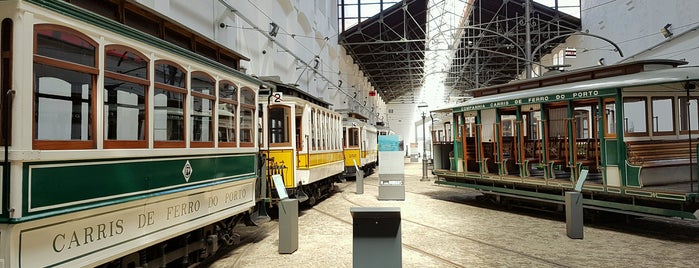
227	90
508	125
202	83
226	122
248	96
610	115
246	127
169	75
202	119
62	103
124	110
168	122
689	113
662	115
635	115
279	125
64	46
125	62
353	137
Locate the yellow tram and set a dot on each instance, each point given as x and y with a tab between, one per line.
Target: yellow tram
303	141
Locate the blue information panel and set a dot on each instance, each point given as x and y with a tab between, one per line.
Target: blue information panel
388	143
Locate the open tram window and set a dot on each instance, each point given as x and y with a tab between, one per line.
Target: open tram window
125	86
227	109
247	113
202	116
688	111
609	115
662	122
280	124
635	116
169	105
353	137
65	70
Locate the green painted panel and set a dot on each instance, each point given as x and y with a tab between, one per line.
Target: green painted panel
54	184
611	152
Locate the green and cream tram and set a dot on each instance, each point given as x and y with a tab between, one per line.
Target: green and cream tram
628	131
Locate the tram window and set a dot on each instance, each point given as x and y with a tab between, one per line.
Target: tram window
65	72
635	116
313	129
169	105
247	111
6	42
534	122
125	86
124	111
582	122
508	125
227	106
688	111
279	125
353	137
610	118
662	120
202	116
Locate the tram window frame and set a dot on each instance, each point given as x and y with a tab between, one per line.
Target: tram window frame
199	97
626	102
284	128
609	111
6	69
171	87
682	114
227	124
88	96
313	129
671	118
246	134
123	77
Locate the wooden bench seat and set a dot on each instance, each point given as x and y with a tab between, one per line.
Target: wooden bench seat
659	162
660	152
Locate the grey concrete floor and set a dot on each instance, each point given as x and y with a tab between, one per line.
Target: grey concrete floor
447	227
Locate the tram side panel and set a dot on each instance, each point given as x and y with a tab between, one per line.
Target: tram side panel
81	192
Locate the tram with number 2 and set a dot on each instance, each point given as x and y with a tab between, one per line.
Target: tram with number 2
626	133
304	142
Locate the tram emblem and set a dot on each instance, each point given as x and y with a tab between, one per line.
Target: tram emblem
187	171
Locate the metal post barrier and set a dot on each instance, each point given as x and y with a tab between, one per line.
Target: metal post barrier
359	178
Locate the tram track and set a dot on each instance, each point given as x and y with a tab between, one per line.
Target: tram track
437	257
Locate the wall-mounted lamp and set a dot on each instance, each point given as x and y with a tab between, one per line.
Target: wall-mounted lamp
223	25
274	29
666	31
600	61
339	83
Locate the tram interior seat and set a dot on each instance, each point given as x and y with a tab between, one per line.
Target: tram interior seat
662	161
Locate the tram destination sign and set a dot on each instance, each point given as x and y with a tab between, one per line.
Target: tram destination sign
587	94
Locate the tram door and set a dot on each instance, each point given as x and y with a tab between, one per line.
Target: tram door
586	138
532	132
508	142
557	141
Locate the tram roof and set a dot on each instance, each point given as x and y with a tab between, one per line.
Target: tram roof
651	77
291	90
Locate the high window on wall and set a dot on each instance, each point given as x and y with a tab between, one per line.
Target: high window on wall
169	105
202	116
227	106
247	111
65	71
125	86
352	12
